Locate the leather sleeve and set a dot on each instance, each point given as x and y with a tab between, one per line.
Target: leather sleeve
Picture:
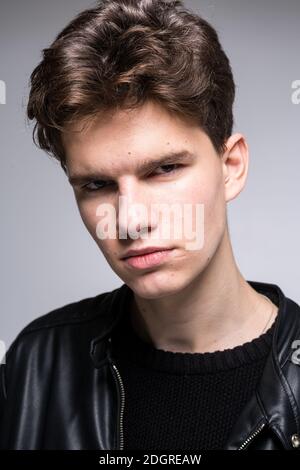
3	402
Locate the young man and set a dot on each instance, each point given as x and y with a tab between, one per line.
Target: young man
134	99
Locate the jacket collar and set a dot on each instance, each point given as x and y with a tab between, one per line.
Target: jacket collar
111	309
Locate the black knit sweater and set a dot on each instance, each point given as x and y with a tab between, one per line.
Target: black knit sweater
184	401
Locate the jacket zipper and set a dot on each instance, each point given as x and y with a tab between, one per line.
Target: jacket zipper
122	390
251	437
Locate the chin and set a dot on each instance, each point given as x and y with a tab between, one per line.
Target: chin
156	285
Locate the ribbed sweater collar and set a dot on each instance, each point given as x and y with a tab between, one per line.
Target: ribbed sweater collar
129	346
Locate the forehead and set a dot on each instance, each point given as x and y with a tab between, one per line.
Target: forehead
148	120
129	138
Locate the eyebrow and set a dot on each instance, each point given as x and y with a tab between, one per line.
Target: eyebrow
146	165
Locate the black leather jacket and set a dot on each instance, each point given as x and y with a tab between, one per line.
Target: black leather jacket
60	387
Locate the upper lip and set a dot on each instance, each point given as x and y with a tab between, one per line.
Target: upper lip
143	251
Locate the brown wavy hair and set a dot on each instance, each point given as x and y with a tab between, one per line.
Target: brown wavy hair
120	54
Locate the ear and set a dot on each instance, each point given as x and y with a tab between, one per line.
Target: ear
235	162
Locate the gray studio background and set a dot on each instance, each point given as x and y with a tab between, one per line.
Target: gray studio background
48	258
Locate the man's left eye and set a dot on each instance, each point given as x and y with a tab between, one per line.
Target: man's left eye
170	167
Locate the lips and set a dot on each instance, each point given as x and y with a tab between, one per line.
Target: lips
144	251
149	260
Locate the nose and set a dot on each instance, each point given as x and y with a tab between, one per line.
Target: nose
133	215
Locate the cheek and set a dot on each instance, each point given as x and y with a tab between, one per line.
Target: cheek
88	213
214	217
212	198
199	192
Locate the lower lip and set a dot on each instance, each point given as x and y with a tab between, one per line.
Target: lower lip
148	260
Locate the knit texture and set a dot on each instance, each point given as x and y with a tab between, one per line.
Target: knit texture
184	401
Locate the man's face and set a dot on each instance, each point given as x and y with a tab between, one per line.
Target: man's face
115	148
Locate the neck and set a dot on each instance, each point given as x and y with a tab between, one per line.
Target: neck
218	310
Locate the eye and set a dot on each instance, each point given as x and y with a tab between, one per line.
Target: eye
171	167
97	185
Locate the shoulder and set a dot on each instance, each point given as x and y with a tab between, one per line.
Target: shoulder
58	330
82	313
56	322
74	312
